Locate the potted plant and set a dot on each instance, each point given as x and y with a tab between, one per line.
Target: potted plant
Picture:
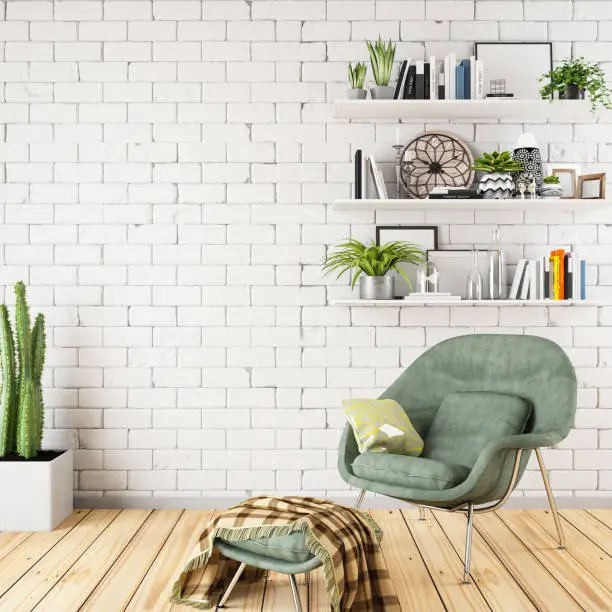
37	484
381	57
573	78
371	264
497	182
357	76
551	187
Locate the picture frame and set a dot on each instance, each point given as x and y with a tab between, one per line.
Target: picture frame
454	266
592	186
424	236
567	180
520	64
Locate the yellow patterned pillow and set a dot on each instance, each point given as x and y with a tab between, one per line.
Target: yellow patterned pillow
381	426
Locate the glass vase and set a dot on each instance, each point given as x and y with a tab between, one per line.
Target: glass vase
497	269
474	279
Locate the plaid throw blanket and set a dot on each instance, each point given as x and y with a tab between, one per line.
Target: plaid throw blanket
344	539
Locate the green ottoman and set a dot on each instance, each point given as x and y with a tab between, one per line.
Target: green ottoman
286	555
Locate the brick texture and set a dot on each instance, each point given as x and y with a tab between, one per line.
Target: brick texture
167	170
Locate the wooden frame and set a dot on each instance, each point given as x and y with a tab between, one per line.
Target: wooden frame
572	171
601	177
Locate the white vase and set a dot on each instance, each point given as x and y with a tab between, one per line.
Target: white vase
496	185
36	494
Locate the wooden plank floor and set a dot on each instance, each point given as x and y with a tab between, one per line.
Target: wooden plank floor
111	560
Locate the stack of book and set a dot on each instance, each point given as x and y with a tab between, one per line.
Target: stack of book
444	79
558	276
366	173
454	193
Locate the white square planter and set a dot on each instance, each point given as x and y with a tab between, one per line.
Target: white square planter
37	495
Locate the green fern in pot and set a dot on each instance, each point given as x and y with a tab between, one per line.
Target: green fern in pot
496	181
371	265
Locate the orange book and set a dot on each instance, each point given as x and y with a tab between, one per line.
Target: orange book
557	259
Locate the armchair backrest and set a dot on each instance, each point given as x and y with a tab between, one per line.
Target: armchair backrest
530	367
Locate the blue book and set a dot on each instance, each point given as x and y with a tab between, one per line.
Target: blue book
582	279
460	80
467	84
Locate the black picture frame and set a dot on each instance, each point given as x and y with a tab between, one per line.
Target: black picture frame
401	288
480	46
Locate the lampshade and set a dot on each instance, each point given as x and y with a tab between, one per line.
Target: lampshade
526	140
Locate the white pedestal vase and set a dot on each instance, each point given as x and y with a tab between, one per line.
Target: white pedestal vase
496	185
36	493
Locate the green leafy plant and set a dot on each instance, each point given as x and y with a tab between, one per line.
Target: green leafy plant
497	162
21	410
375	260
357	75
381	57
552	180
587	76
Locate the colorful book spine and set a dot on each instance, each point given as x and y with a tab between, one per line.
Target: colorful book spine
460	82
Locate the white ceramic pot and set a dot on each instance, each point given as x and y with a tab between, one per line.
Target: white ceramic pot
356	94
496	185
382	92
554	191
36	494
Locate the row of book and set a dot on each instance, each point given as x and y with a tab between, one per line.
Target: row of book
366	170
558	276
444	79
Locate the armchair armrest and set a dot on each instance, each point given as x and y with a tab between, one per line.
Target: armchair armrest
347	453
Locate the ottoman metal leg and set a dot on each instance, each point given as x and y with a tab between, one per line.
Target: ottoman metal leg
296	593
231	586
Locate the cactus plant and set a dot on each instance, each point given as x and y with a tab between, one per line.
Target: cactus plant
22	403
8	394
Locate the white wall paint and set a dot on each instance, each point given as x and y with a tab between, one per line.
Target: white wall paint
167	172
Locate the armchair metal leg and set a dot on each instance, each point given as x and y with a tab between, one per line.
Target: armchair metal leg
296	594
231	586
551	499
468	544
362	494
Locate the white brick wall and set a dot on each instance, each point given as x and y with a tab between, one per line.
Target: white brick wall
167	170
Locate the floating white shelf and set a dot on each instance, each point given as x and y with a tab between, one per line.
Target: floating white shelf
437	303
559	111
541	204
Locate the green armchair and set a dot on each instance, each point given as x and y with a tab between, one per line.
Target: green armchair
528	376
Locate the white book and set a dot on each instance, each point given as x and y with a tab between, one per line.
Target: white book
533	280
524	291
365	181
379	181
480	93
516	282
452	65
472	78
433	78
447	77
541	276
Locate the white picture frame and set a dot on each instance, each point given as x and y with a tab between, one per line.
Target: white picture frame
424	236
454	267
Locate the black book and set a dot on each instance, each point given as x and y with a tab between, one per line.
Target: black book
400	80
426	81
569	276
441	93
420	82
455	196
358	174
410	85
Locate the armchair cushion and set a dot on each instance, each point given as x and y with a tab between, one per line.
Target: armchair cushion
405	471
290	548
381	426
467	422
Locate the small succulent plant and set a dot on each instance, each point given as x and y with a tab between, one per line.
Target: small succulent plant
497	162
381	57
552	180
357	74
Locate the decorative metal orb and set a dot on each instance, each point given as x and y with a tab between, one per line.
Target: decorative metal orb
435	159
